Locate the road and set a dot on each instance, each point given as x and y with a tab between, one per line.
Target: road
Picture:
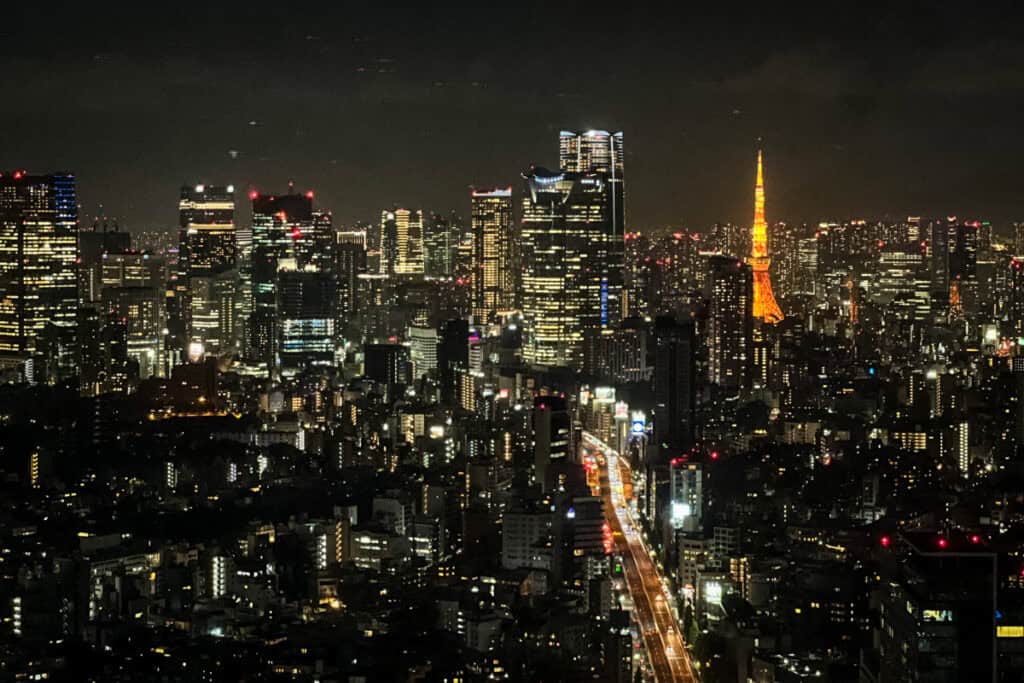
668	655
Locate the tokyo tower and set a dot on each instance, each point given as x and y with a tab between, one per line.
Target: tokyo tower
765	307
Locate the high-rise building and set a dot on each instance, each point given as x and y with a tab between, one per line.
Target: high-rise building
207	219
898	269
940	611
675	384
564	240
401	242
598	151
423	343
441	237
686	497
730	295
305	316
350	263
92	245
807	281
552	440
38	267
452	358
493	276
765	306
279	223
132	293
207	284
1014	326
389	364
938	248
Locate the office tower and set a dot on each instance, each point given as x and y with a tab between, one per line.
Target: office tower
617	355
423	347
38	269
92	245
388	364
898	269
552	435
350	263
807	249
675	384
401	242
730	294
207	219
1014	315
132	291
598	151
441	237
564	241
207	265
963	249
964	238
278	225
493	276
765	306
213	299
116	370
940	609
686	495
243	305
526	535
452	358
315	243
939	251
305	316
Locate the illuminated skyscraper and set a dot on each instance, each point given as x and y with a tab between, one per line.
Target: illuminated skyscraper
686	495
401	242
92	245
305	316
493	279
598	151
730	295
441	236
1014	310
207	218
350	263
939	248
38	266
279	225
765	306
207	284
133	293
563	249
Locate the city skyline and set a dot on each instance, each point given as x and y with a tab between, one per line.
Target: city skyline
465	359
891	133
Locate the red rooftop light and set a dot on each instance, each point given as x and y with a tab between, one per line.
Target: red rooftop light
309	195
253	194
943	543
975	538
885	541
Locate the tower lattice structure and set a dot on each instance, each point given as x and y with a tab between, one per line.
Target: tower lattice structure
765	306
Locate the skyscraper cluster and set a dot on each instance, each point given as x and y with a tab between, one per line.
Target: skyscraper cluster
524	439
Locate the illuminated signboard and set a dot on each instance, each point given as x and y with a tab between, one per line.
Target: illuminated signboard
639	423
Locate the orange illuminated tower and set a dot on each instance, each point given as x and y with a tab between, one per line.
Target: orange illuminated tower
765	307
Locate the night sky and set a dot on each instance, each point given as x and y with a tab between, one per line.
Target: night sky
910	110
